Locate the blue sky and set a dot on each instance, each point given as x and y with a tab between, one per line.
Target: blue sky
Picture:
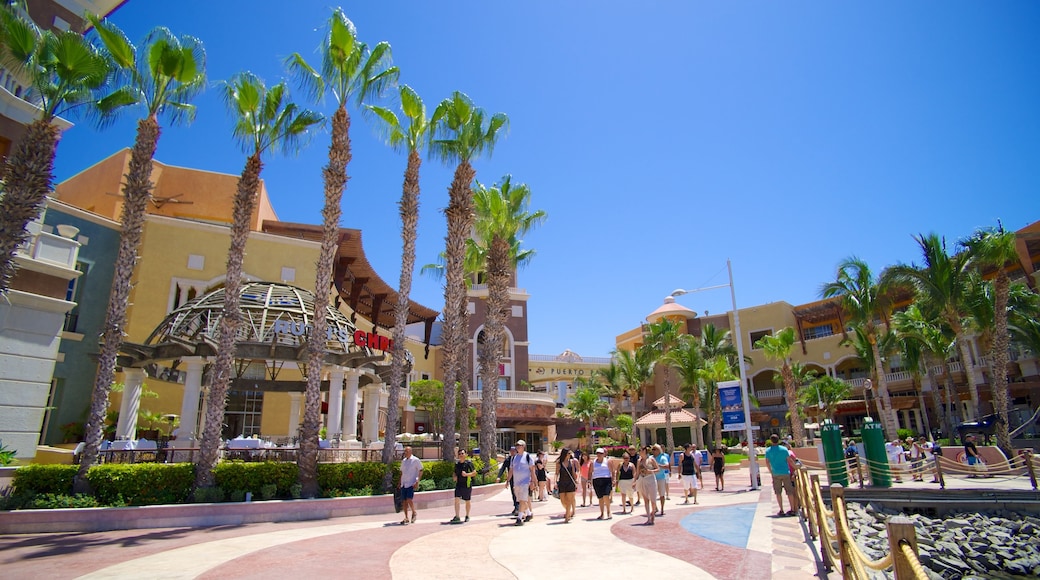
661	137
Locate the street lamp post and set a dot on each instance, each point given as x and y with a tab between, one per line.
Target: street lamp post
752	453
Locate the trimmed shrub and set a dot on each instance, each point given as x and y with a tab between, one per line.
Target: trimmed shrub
209	495
142	483
237	495
426	485
268	491
37	479
352	476
253	477
49	501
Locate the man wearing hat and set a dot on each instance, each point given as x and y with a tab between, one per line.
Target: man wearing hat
521	473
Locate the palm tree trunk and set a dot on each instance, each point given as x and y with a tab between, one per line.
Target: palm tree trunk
951	399
999	360
920	398
27	181
498	273
797	423
669	437
968	366
216	403
460	220
335	182
888	419
409	209
940	411
136	193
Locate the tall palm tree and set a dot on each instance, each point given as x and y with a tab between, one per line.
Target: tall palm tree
635	369
613	384
350	72
943	284
866	302
778	347
161	78
63	72
412	136
687	361
716	370
265	121
503	217
914	355
995	249
716	342
465	132
661	337
586	406
824	392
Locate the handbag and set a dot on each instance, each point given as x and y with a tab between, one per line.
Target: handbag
556	492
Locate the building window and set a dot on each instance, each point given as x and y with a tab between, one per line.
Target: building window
758	335
72	295
817	331
242	417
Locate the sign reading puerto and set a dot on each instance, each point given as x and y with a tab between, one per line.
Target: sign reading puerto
732	406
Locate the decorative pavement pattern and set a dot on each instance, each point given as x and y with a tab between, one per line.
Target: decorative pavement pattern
729	535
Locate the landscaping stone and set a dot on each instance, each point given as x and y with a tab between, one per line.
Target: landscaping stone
996	544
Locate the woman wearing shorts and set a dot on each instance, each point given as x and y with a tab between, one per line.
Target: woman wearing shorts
627	482
584	471
646	468
690	473
602	482
567	482
539	474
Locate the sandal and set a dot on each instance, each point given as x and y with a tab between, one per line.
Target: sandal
413	518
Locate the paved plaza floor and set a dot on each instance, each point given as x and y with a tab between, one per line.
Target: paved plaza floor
730	534
734	534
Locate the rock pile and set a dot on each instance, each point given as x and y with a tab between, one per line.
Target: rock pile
993	544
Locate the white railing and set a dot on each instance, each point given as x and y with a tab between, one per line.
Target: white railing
517	397
555	358
766	394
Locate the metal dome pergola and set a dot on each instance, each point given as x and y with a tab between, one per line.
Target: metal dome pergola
275	326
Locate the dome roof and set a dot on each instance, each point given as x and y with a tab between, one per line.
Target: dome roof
670	308
275	324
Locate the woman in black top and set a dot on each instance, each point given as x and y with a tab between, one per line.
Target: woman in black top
567	482
626	482
539	474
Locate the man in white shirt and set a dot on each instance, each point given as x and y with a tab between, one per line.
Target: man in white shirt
411	471
521	473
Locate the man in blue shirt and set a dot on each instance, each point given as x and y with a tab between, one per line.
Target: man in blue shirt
521	473
777	461
662	474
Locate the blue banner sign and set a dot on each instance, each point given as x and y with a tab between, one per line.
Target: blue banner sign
732	406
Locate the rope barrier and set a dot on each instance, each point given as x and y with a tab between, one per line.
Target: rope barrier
910	556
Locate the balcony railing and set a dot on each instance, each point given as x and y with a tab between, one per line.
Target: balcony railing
769	394
517	397
555	358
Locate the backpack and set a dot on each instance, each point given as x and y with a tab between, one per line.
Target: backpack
851	452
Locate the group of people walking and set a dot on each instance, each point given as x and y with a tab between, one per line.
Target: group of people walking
639	476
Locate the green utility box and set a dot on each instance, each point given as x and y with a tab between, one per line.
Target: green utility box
833	454
877	459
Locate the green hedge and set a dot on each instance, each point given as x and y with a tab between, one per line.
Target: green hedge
142	483
118	484
238	476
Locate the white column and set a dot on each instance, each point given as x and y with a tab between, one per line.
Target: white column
295	402
335	417
349	427
373	401
132	381
188	429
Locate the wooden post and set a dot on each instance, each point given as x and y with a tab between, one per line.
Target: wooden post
820	523
900	529
859	473
939	473
1028	456
838	503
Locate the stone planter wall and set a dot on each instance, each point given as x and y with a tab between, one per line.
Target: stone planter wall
218	514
